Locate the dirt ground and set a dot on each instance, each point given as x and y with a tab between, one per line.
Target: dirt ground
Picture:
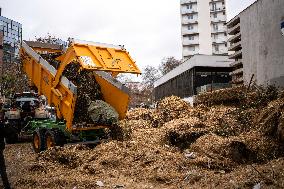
25	173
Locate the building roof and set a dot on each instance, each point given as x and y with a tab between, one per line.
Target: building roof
195	61
36	44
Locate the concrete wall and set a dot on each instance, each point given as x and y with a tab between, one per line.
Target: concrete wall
205	42
262	42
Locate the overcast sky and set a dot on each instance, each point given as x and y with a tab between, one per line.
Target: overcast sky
149	29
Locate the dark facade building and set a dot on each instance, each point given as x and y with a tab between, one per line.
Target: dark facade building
201	73
12	37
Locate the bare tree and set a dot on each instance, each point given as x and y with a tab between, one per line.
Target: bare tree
150	75
168	64
49	39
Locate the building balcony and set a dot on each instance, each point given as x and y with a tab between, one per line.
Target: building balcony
223	53
235	46
218	31
190	43
219	41
189	21
217	20
183	2
235	38
234	30
233	21
237	72
219	9
189	32
216	1
236	55
188	11
237	63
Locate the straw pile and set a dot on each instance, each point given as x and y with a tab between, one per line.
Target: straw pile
216	146
224	96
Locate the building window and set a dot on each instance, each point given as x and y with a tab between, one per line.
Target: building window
224	13
189	6
214	7
215	15
216	48
215	36
190	27
215	27
225	44
191	37
190	17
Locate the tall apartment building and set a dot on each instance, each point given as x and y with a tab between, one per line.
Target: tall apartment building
12	32
204	28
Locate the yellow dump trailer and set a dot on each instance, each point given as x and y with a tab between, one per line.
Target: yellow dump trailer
104	61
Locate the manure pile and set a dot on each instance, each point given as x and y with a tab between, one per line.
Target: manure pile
216	144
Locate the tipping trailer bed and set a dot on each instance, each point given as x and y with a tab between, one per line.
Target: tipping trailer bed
106	61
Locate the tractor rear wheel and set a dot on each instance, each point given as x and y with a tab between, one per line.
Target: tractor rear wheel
54	138
39	140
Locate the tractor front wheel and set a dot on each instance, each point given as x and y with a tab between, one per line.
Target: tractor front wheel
39	140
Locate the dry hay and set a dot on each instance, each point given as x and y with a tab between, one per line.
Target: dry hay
270	118
264	148
168	109
242	96
219	153
223	120
223	96
184	131
139	113
280	129
143	158
200	147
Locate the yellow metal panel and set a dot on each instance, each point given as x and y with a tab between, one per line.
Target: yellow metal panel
92	56
114	96
105	59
